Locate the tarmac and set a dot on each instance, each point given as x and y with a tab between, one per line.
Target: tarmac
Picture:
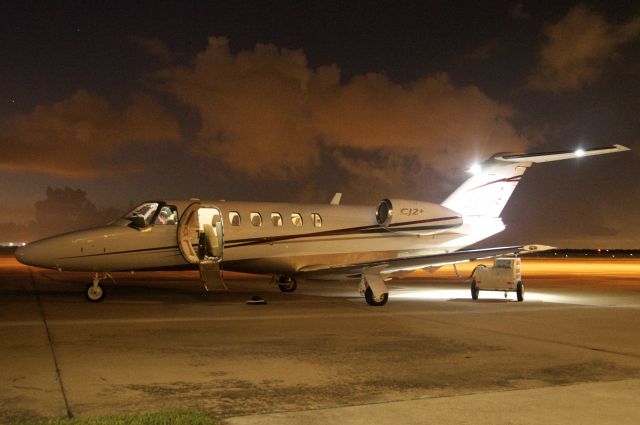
570	353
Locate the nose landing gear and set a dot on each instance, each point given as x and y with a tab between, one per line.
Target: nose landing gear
94	292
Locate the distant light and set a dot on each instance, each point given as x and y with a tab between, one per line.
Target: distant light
475	168
10	243
24	243
579	152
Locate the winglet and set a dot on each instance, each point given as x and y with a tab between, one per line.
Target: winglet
336	198
536	248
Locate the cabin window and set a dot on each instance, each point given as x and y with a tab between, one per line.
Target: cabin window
234	218
316	220
256	219
167	215
296	219
276	219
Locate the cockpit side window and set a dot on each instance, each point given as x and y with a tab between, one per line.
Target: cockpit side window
168	215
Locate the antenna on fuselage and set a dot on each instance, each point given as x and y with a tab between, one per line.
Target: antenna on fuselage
336	198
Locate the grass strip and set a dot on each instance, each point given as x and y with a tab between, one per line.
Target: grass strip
174	417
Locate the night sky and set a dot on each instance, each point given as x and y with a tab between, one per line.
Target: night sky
293	101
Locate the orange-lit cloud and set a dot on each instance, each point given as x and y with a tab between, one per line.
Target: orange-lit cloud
75	136
266	112
577	48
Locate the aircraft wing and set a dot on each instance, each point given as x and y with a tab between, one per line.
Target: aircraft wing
393	265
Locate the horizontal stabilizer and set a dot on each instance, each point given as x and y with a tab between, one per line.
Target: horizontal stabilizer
560	155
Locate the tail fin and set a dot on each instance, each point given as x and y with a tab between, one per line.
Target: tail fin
486	193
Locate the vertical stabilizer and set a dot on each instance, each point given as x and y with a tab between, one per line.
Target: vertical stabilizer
486	193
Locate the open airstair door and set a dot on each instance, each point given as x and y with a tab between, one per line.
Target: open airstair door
201	241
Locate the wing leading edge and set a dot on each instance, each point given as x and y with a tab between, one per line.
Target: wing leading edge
393	265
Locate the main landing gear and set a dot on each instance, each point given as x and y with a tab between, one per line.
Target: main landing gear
94	292
286	283
373	301
374	289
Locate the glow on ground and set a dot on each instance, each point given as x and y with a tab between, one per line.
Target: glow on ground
550	267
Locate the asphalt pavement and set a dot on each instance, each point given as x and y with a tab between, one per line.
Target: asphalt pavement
570	351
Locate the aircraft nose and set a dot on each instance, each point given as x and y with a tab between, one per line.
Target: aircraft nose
34	254
24	254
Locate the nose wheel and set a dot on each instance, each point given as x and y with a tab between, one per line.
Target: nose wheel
94	291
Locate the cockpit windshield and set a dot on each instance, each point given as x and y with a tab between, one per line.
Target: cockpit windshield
146	211
153	212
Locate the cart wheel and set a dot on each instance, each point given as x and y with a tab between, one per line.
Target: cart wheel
520	291
475	291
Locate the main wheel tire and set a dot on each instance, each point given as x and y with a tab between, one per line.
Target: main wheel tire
94	294
475	291
520	291
287	284
368	295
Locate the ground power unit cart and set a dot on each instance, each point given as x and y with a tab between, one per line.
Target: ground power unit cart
503	276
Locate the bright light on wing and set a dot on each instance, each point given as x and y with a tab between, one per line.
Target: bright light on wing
579	152
475	168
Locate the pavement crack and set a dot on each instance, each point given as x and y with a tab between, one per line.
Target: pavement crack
51	346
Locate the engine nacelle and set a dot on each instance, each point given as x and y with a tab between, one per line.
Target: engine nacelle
415	217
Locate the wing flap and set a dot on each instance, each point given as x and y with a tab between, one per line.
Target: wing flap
392	265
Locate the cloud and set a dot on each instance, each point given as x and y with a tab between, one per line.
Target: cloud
267	113
518	12
75	137
577	48
485	51
432	119
253	106
155	47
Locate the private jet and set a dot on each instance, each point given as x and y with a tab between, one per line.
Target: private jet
290	241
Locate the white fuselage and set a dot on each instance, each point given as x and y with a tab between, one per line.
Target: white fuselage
307	235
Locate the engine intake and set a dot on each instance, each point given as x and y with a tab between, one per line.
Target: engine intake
415	216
